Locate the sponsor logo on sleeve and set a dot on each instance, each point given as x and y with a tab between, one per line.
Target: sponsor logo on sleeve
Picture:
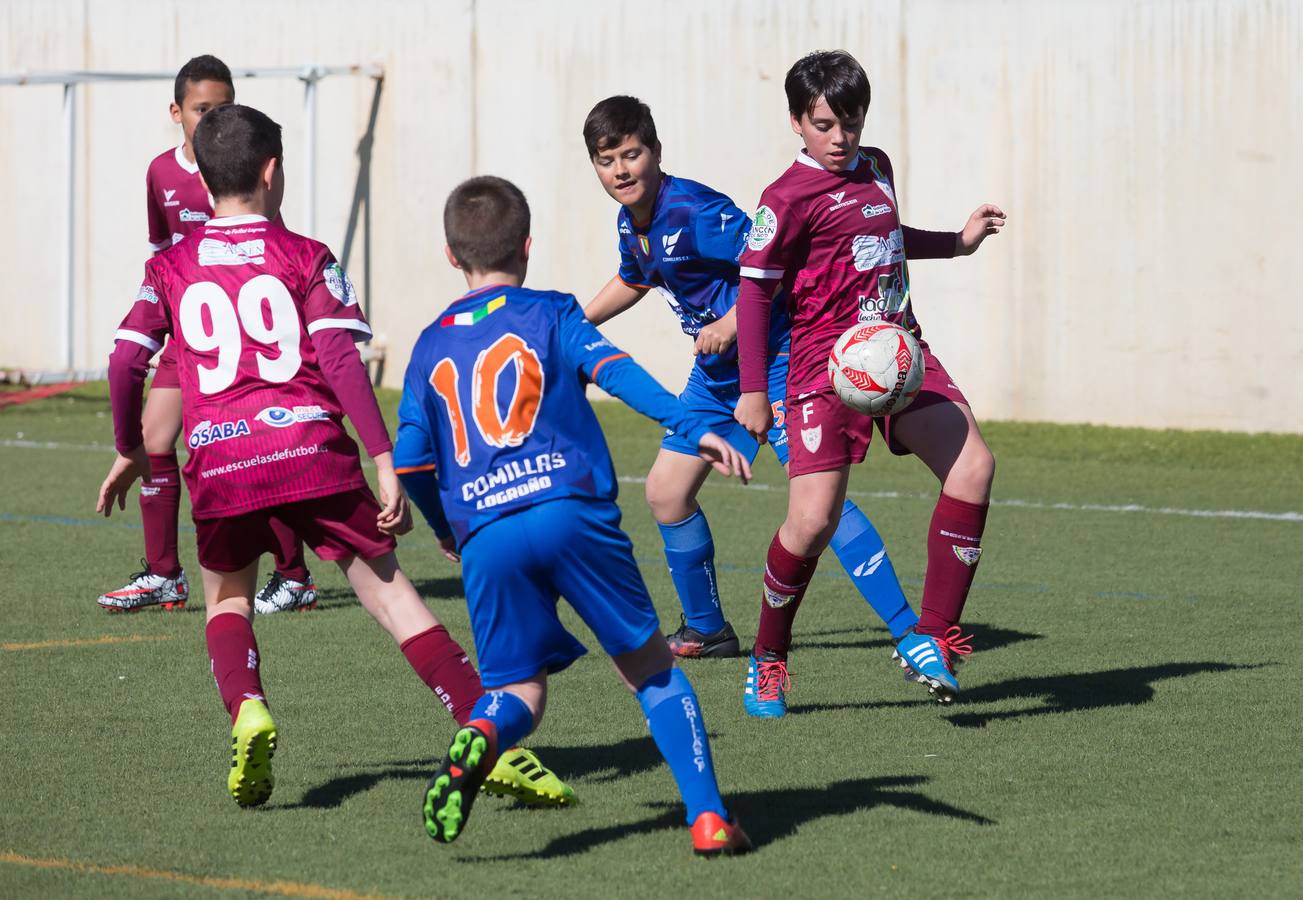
214	252
147	293
871	251
208	432
340	285
764	225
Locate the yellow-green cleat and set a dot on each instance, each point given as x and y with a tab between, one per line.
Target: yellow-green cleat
451	792
520	774
253	743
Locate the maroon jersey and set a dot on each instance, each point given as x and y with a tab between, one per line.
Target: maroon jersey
835	241
242	298
175	199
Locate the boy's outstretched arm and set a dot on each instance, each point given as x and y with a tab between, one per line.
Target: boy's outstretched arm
986	220
614	298
755	297
128	364
617	374
345	373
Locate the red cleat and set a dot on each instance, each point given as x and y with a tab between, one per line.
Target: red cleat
713	836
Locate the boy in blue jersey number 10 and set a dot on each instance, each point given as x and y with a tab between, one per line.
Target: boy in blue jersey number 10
504	456
684	239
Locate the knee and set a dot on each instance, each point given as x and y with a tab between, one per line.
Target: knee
808	532
160	435
667	501
972	475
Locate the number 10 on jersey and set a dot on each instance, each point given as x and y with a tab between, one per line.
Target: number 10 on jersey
497	430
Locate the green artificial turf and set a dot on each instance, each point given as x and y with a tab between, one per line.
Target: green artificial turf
1129	724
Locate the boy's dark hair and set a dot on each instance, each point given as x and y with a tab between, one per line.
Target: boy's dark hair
201	68
232	144
614	119
486	222
834	75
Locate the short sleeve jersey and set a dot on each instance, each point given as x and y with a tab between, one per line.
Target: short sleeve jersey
835	241
242	298
175	199
689	251
493	400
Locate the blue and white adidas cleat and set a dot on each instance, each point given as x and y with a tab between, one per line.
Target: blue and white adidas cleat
926	659
767	686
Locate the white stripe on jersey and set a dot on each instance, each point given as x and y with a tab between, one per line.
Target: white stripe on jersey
751	272
351	324
124	334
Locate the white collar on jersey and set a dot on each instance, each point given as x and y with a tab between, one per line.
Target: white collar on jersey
806	159
187	165
230	221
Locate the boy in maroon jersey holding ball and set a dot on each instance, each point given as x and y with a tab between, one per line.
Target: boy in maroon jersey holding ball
177	203
829	232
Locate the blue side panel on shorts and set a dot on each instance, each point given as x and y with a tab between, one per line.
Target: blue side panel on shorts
515	568
714	403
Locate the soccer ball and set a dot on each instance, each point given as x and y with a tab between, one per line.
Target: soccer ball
876	368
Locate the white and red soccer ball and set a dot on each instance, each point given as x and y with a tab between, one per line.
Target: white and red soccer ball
876	368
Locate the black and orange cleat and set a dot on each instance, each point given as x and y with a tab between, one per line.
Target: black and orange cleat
713	835
452	790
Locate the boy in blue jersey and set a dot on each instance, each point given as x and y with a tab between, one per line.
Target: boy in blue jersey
683	239
503	454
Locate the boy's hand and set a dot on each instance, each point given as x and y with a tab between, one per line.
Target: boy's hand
723	456
718	336
754	413
122	475
986	220
448	547
396	514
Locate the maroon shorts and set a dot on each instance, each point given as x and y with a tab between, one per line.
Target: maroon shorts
824	434
166	375
334	527
938	387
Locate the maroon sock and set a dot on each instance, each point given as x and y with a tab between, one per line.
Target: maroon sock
289	552
234	654
954	546
786	578
444	666
160	502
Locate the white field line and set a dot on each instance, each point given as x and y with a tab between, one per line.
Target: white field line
1249	514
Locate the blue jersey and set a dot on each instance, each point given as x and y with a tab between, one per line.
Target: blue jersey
690	249
493	403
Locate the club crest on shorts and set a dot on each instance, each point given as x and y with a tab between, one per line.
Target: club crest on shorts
812	438
967	555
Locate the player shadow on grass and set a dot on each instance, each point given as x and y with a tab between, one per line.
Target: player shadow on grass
428	588
985	637
769	815
610	762
1079	692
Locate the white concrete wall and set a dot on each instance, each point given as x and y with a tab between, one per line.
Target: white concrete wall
1148	154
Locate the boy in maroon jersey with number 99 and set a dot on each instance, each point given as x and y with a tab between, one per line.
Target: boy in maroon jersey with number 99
264	322
829	231
177	203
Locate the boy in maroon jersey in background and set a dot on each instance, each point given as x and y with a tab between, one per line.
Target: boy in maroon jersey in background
828	230
264	322
177	203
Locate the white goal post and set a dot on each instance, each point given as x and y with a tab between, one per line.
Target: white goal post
310	74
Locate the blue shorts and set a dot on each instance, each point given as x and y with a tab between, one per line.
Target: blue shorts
715	403
515	568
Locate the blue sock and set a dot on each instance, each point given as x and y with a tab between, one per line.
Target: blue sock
690	552
864	557
674	717
509	715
